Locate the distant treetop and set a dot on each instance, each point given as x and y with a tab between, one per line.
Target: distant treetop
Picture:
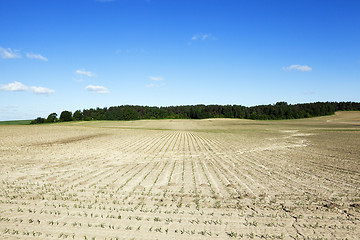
280	110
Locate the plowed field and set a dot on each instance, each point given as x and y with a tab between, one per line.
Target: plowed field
182	179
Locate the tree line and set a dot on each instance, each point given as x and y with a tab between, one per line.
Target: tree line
278	111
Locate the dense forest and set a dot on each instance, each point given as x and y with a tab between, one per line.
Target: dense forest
278	111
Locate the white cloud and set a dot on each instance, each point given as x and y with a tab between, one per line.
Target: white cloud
301	68
158	82
8	53
18	86
36	56
85	73
14	87
201	36
41	90
97	89
156	78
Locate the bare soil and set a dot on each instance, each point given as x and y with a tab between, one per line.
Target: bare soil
182	179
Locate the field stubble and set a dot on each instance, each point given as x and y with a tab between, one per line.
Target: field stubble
181	179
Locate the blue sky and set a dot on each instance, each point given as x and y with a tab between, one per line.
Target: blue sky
67	55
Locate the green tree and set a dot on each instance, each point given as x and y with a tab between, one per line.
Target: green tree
66	116
78	115
39	120
131	114
51	118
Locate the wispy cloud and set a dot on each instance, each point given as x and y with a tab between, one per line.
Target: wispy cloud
97	89
202	37
301	68
14	87
36	56
18	86
9	53
158	82
41	90
85	73
156	78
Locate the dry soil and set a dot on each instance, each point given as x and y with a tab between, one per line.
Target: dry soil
182	179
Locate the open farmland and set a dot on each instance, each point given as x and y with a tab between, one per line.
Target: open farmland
182	179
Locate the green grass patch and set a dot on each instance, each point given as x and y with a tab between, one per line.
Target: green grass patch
17	122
